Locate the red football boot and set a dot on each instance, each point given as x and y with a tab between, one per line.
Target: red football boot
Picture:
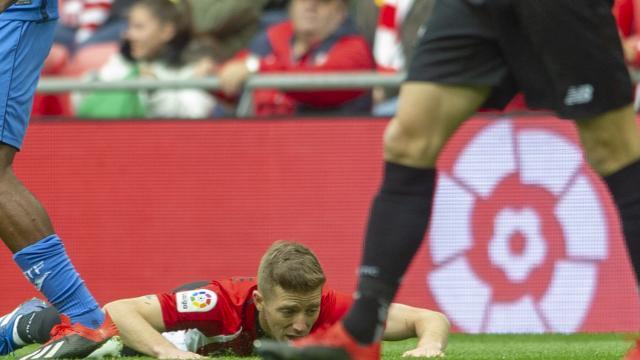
634	353
74	341
332	343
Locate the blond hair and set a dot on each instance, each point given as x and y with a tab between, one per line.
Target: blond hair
291	266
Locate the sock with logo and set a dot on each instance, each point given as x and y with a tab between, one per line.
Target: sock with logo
624	186
35	328
47	265
397	224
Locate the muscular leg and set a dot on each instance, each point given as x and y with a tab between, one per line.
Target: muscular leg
611	141
24	225
428	114
612	145
23	221
27	231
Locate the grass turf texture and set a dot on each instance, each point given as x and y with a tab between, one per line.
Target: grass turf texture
493	347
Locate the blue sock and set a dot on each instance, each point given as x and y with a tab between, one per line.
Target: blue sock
49	269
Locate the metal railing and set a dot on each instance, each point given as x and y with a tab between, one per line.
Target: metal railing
311	82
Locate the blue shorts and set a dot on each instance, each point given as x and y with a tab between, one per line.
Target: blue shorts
23	49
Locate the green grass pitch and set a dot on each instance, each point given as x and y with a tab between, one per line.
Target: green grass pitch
495	347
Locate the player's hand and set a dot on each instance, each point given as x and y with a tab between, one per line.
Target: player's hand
425	351
179	354
4	4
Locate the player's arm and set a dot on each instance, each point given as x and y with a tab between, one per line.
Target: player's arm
430	327
4	4
140	323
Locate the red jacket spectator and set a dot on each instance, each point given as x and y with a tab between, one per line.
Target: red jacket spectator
278	50
345	50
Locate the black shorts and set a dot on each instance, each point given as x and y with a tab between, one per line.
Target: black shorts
564	55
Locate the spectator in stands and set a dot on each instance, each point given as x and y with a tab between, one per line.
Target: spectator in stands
87	22
157	34
319	37
224	27
86	31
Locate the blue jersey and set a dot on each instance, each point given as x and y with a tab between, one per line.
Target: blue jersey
31	10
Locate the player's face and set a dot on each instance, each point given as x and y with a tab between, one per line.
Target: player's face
147	34
315	17
288	315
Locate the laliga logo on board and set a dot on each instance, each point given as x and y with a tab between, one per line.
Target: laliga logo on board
517	233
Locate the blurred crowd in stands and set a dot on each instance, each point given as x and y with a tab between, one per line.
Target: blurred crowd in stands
107	40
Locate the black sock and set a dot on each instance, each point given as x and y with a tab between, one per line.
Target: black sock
35	327
624	186
397	224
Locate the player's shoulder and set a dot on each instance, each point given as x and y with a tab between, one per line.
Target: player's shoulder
328	293
234	287
331	297
236	282
203	296
238	288
334	305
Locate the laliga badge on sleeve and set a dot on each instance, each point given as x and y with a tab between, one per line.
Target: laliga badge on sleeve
199	300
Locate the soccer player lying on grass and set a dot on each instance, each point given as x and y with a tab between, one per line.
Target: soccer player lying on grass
288	301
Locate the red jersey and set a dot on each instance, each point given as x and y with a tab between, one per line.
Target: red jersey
223	310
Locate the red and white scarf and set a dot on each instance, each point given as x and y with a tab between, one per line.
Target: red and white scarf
387	48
